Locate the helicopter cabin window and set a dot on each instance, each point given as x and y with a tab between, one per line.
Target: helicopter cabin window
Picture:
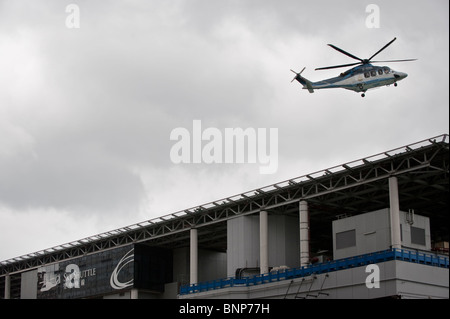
380	71
373	73
366	74
386	70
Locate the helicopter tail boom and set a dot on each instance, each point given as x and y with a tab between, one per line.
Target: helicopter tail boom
303	81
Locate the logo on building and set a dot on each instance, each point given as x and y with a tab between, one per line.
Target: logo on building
115	281
95	274
49	276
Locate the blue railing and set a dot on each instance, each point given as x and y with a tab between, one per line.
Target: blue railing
330	266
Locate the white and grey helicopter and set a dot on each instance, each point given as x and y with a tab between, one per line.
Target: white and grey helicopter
361	78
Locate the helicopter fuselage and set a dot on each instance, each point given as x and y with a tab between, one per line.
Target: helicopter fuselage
359	79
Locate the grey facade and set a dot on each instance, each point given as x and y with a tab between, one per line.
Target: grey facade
243	242
398	279
354	236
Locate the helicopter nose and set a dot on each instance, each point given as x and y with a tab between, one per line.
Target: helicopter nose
400	75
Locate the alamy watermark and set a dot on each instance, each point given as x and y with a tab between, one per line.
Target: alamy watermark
373	19
230	146
73	18
373	279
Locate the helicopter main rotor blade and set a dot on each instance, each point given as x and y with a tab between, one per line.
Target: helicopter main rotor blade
382	49
346	53
393	61
337	66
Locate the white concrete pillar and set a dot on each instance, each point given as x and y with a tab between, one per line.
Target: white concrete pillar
194	257
134	294
7	287
304	233
394	213
264	242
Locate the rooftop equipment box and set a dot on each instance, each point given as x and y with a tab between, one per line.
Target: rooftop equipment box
371	232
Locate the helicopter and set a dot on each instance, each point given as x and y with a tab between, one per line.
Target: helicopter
360	78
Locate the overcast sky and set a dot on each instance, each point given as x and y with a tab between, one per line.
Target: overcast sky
86	113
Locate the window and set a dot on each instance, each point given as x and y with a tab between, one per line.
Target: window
346	239
380	71
373	73
366	74
417	236
386	70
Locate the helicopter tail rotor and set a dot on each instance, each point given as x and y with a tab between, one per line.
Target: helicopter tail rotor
305	82
297	74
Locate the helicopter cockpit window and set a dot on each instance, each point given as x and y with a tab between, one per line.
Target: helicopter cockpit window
366	74
386	70
380	71
373	73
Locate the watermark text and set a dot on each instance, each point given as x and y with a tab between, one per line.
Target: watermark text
373	279
73	19
373	19
230	146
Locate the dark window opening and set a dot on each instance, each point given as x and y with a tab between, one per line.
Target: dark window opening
418	236
346	239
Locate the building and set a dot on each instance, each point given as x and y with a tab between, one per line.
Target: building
376	227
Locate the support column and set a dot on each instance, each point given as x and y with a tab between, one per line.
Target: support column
394	213
264	242
134	294
194	257
7	287
304	233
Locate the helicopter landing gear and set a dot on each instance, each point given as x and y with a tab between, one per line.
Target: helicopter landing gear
395	84
361	87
